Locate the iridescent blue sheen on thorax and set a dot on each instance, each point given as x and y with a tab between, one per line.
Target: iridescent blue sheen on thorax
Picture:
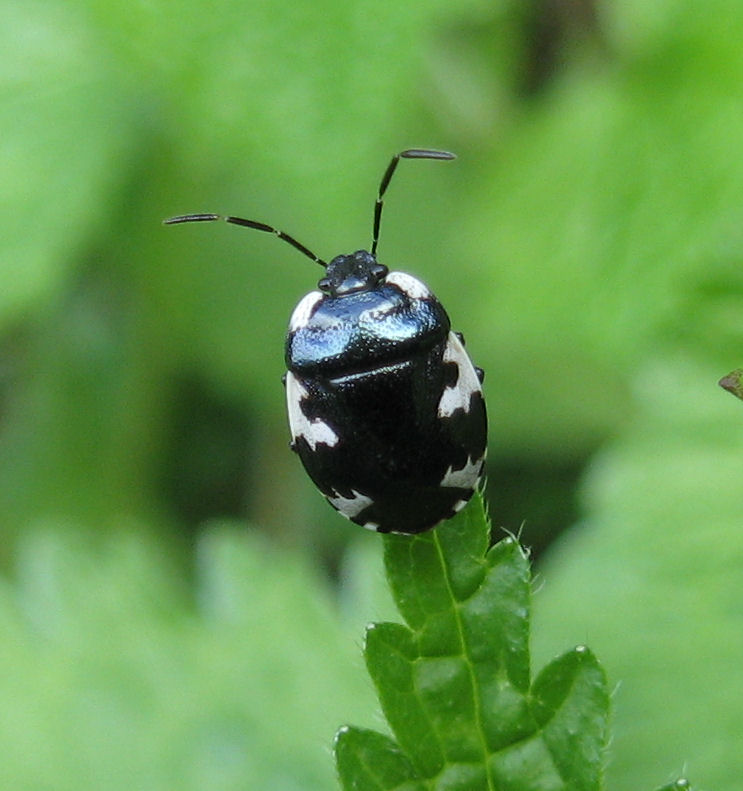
369	328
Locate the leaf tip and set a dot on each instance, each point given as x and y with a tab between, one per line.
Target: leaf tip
733	383
584	654
370	627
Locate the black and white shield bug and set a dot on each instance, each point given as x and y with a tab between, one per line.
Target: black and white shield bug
385	406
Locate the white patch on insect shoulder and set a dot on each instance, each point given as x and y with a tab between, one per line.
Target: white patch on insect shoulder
458	395
371	526
351	506
459	505
303	311
315	432
466	478
409	285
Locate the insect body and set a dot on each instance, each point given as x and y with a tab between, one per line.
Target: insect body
385	407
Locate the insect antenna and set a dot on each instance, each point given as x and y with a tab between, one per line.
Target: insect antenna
258	226
410	153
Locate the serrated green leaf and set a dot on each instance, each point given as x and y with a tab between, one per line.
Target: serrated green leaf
454	683
391	653
367	759
570	702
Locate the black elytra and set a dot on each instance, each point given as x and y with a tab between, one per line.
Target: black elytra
385	407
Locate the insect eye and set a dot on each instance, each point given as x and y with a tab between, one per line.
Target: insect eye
324	285
380	271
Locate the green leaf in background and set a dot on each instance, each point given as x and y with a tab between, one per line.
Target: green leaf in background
652	578
455	684
113	677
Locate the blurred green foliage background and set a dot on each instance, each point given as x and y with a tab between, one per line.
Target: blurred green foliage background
588	242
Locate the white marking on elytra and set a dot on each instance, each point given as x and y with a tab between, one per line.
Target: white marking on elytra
457	396
371	526
459	505
351	506
466	478
315	432
303	311
409	285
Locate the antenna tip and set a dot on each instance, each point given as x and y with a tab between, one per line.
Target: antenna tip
426	153
191	218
